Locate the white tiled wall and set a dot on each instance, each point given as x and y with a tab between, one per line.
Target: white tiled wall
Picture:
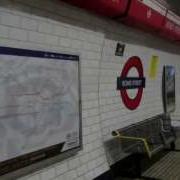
114	115
54	26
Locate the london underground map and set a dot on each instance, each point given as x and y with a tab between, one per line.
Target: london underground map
39	101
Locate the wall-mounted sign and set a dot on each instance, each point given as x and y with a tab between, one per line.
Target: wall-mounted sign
124	83
169	96
153	67
120	49
40	106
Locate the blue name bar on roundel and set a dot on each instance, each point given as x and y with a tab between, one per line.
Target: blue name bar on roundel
130	83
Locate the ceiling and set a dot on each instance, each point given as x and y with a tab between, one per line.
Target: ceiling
171	4
175	4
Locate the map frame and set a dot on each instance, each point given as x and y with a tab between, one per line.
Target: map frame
36	157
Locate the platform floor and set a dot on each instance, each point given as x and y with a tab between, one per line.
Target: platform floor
167	168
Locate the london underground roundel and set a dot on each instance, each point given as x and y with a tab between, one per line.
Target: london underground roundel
124	82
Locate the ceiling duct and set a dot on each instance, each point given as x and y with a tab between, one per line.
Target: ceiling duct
155	16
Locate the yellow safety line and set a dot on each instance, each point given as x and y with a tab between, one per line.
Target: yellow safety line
135	138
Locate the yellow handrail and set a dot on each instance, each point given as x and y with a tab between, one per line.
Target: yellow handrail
147	149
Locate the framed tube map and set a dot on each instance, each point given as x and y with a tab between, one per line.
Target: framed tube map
169	88
40	111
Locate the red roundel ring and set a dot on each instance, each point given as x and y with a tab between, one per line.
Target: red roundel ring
133	62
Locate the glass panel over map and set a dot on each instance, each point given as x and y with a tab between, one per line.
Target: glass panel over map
39	102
